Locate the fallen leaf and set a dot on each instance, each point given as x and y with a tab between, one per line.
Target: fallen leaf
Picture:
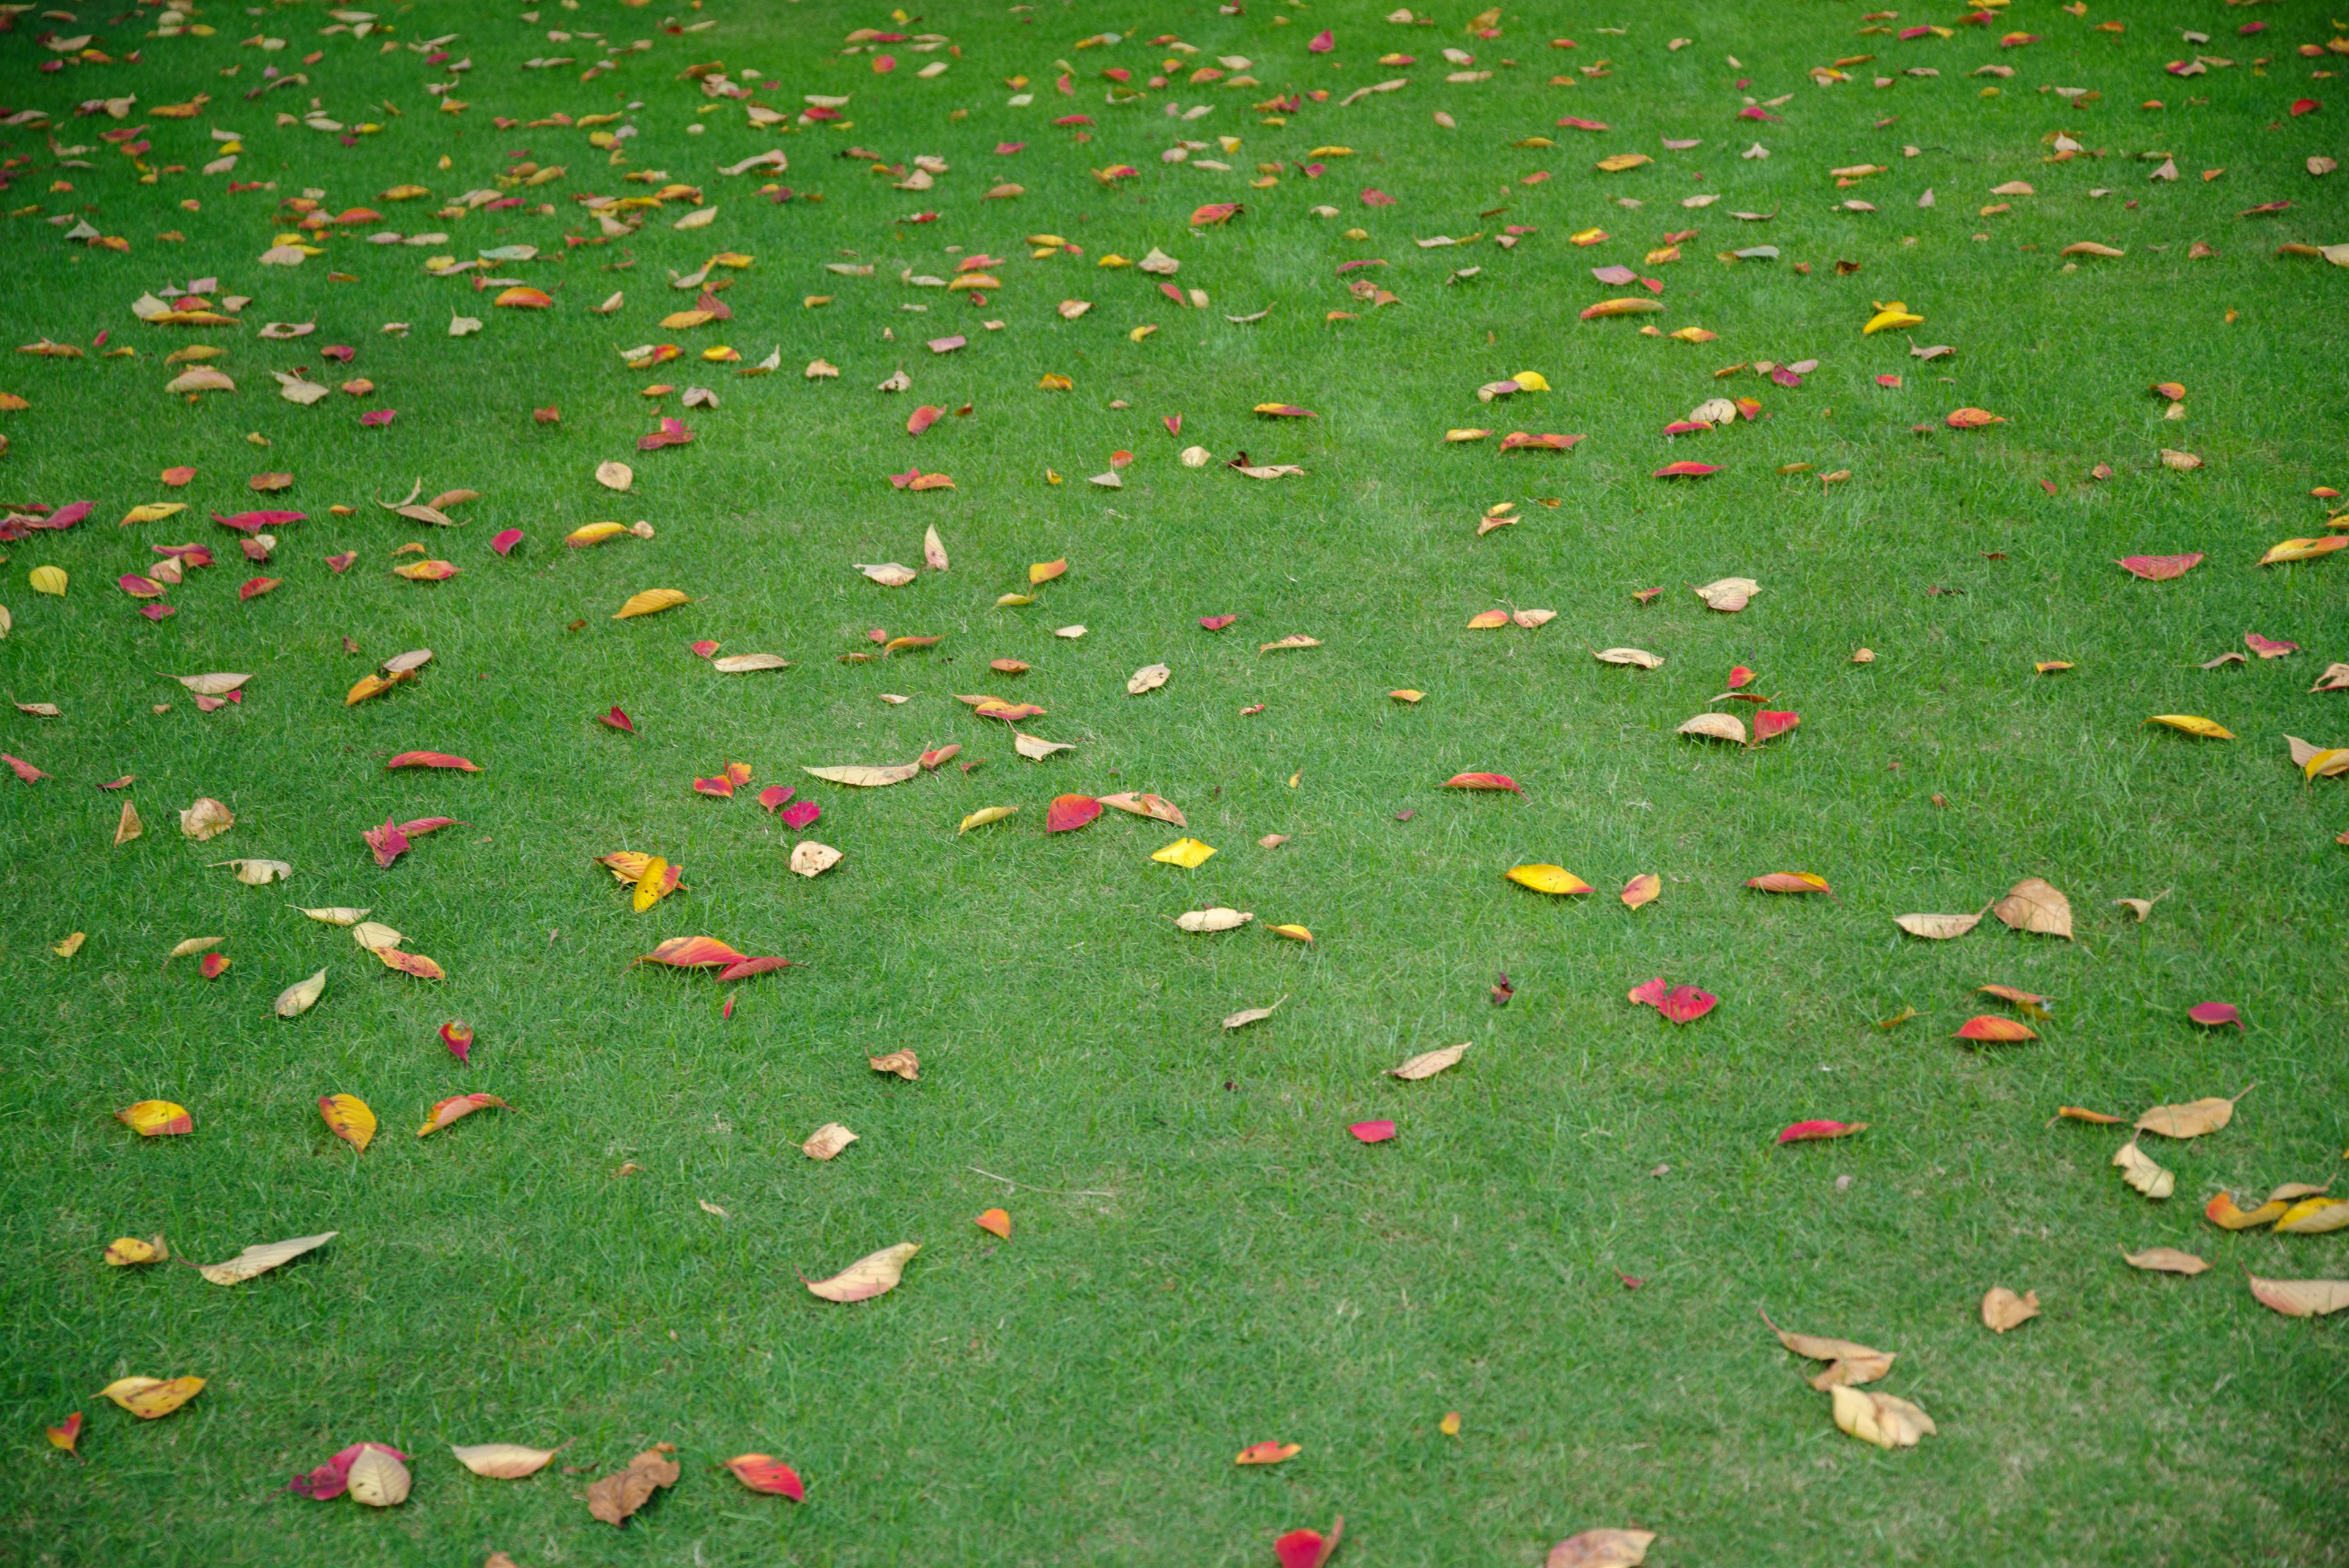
149	1398
1995	1031
995	1221
1808	1132
1149	678
2002	1309
876	1273
1216	919
2141	1173
260	1259
2301	1298
1547	879
1482	780
1642	889
827	1141
1715	726
615	1497
1427	1063
2034	906
1883	1419
1601	1549
502	1461
127	1251
1789	882
1848	1363
764	1472
2193	724
1267	1453
1937	927
1187	853
348	1118
156	1118
2191	1119
866	777
904	1064
2166	1261
457	1106
1068	811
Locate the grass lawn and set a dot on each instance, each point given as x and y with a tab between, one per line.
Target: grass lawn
1201	1257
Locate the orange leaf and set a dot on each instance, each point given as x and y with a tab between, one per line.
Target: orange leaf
1482	780
1068	812
1267	1453
996	1222
455	1107
1789	882
156	1118
1995	1031
417	964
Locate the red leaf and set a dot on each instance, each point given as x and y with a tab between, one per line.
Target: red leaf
2215	1014
332	1478
1652	994
1767	724
506	540
388	842
1308	1548
923	419
458	1037
744	968
1372	198
1373	1132
1805	1132
618	720
762	1472
342	563
2159	568
1068	812
774	796
24	770
2301	105
1685	470
1572	123
431	759
1321	43
1482	780
800	814
254	522
215	965
721	786
1686	1004
1217	622
1518	440
254	588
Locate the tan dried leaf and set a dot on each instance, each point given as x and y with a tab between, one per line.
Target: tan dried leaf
2139	1171
376	1479
2033	905
744	663
1156	807
1427	1063
502	1461
1718	726
615	1497
1638	656
827	1141
1884	1419
1937	927
2191	1119
1214	919
888	574
1848	1363
904	1064
2166	1261
934	550
1035	748
2302	1298
874	1275
1601	1549
129	826
810	858
298	999
2002	1309
1729	595
865	778
1149	678
260	1259
207	819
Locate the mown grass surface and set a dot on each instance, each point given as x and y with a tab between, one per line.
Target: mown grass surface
1204	1259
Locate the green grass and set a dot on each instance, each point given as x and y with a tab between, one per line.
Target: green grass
1231	1266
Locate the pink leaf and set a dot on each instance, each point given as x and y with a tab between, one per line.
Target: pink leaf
2215	1014
1373	1132
505	540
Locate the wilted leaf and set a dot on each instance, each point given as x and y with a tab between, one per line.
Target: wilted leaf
1848	1363
1639	656
615	1497
984	816
1789	882
876	1273
1937	927
2034	906
1716	726
206	819
2002	1309
2166	1261
1149	678
1149	806
260	1259
2191	1119
502	1461
810	858
827	1141
1728	594
1642	889
1883	1419
2140	1172
127	1251
866	777
455	1107
1216	919
1427	1063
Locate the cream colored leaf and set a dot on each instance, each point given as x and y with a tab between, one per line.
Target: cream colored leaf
888	574
876	1273
377	1478
502	1461
2033	905
827	1141
866	777
1638	656
186	945
298	999
1296	639
744	663
1847	1362
2302	1298
1427	1063
1149	678
260	1259
1937	927
934	550
810	858
374	936
257	873
1216	919
1719	726
2140	1172
1156	807
216	683
127	826
1036	748
2002	1309
1601	1549
206	819
2191	1119
614	475
904	1064
1246	1016
1729	593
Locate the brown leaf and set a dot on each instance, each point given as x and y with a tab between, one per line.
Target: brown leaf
2166	1261
2140	1172
1146	805
260	1259
905	1064
827	1141
1847	1363
1427	1063
1937	927
874	1275
1601	1549
2033	905
2002	1309
615	1497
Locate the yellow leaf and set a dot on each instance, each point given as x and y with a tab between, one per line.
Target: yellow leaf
155	1118
1486	620
124	1252
71	944
149	1397
152	512
1530	381
1294	934
2314	1217
1406	695
48	580
1621	161
1642	889
1466	434
650	601
2290	550
1187	853
652	884
2193	724
1886	1421
876	1273
1891	317
593	534
2329	763
349	1118
1547	879
984	816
